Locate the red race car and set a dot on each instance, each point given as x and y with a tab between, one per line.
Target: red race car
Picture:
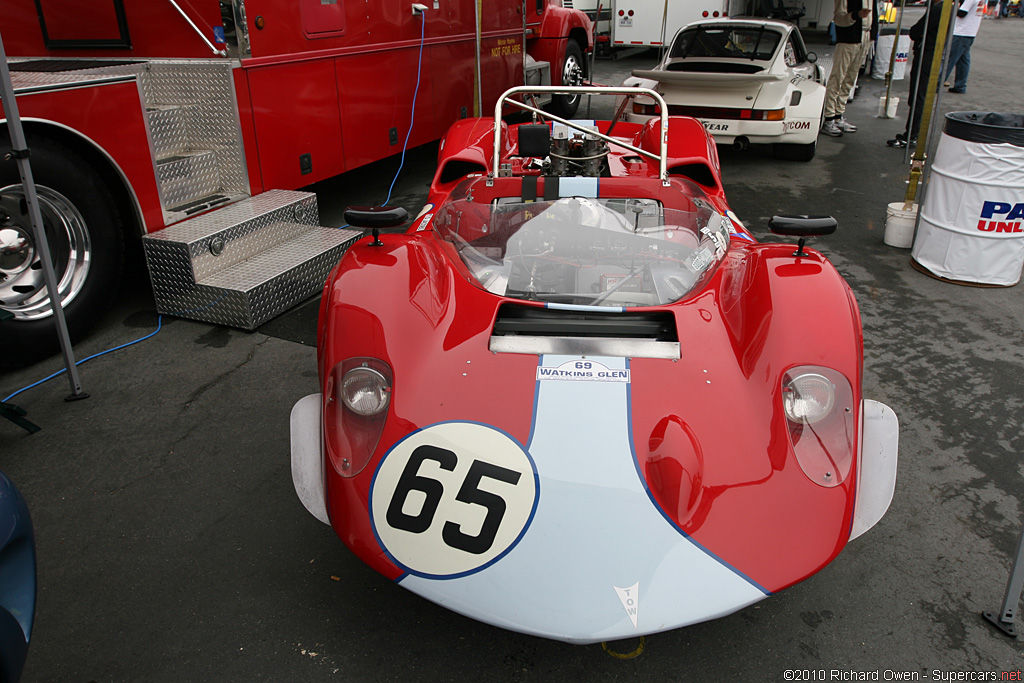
576	399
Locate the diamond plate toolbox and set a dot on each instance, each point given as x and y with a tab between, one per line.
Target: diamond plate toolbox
245	263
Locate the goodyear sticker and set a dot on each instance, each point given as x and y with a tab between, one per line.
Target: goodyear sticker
583	371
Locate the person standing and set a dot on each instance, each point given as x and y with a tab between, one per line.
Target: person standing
968	20
923	34
854	23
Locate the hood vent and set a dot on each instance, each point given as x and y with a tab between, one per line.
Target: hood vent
537	330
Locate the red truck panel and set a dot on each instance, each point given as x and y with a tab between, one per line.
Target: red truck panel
349	24
112	116
155	29
295	112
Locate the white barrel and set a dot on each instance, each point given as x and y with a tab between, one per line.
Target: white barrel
883	52
972	221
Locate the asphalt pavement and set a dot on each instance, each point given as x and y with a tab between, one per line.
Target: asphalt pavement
172	547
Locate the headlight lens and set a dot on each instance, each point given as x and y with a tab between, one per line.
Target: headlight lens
808	398
365	391
819	407
358	394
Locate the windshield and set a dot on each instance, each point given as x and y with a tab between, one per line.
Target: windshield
749	42
589	252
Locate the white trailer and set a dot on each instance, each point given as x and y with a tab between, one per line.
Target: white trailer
653	23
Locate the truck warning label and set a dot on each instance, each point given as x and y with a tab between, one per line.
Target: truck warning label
507	46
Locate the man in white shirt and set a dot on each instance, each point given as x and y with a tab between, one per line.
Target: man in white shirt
968	20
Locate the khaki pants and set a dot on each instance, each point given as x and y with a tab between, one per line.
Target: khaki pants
845	66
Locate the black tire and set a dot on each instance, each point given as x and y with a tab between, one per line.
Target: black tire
86	244
787	151
573	72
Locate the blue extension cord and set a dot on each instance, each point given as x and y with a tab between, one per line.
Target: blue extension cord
415	93
159	324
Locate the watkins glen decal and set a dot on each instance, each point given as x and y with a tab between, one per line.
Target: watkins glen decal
583	371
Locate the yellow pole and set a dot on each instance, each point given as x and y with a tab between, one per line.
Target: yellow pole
917	164
477	88
892	58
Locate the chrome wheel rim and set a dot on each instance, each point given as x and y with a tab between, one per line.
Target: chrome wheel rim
572	74
22	286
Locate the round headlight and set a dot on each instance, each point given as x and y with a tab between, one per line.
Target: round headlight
808	398
365	391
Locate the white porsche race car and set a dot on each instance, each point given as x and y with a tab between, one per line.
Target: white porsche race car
749	81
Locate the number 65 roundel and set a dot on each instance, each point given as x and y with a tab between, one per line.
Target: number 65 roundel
452	498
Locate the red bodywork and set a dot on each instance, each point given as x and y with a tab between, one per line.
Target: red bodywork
708	431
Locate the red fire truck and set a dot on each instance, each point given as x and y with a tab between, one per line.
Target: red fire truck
191	124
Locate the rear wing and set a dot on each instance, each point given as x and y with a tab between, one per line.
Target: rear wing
718	81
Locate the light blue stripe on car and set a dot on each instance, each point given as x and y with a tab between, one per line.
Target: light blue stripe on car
595	531
578	186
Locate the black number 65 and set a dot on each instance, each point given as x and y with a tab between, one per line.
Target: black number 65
469	493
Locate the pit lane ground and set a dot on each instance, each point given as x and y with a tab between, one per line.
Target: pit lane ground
172	547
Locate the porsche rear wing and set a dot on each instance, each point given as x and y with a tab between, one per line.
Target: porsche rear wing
717	81
661	158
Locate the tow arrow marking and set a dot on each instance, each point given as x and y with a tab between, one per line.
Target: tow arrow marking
630	598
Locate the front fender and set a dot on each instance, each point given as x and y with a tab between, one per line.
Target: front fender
562	22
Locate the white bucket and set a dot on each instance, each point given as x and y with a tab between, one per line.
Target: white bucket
890	112
899	226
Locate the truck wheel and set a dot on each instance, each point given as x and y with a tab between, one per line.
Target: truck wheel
572	74
83	232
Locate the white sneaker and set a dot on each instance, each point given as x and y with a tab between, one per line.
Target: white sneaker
830	128
845	125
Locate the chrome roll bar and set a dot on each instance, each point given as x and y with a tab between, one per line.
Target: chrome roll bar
505	98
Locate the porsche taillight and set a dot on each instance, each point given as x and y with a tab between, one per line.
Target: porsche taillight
646	109
356	400
818	404
727	113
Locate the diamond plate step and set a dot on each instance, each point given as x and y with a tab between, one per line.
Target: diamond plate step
188	176
263	287
243	264
168	130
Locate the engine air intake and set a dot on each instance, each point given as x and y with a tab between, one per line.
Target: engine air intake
561	330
